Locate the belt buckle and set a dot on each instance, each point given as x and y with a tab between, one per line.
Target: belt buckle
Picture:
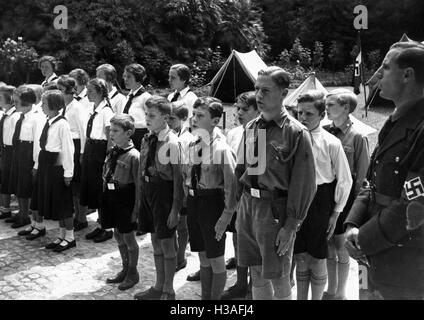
146	178
256	193
191	192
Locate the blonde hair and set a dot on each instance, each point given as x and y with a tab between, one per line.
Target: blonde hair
344	97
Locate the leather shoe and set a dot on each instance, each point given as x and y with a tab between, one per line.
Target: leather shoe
53	245
69	245
181	265
234	292
231	264
32	236
167	296
149	294
104	236
21	223
25	232
5	215
91	235
12	219
80	225
194	276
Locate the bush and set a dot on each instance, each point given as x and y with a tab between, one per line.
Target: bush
283	59
374	59
17	60
318	55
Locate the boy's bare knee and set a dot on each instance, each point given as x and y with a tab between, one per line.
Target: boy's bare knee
257	279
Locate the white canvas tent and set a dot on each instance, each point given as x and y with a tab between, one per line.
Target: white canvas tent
237	75
312	83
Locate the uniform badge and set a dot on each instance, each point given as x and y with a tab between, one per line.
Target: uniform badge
413	188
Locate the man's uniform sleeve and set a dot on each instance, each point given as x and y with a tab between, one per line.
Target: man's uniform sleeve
388	228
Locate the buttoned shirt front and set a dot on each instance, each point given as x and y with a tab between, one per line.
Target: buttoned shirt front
117	100
285	162
9	125
356	149
138	108
217	168
331	164
77	117
101	121
59	140
31	129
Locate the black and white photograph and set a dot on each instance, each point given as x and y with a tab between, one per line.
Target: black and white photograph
214	152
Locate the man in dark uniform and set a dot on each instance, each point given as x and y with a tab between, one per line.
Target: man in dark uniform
383	227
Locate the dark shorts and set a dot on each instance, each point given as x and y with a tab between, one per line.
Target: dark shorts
91	173
203	213
257	227
155	207
5	167
340	229
117	209
183	211
50	196
312	236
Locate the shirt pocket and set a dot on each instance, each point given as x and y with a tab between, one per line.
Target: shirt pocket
122	172
277	155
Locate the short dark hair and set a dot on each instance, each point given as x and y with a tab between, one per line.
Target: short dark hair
180	110
80	76
67	82
213	105
38	90
50	59
315	96
26	95
7	92
137	70
280	77
55	99
110	71
248	98
411	55
125	121
183	72
160	103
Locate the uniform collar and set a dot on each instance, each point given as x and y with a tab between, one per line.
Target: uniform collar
54	118
345	127
101	105
51	77
405	110
278	119
136	91
183	92
83	93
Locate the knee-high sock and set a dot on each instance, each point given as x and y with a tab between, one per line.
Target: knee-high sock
160	271
303	279
262	293
242	277
169	264
206	282
318	285
218	285
342	276
182	244
332	275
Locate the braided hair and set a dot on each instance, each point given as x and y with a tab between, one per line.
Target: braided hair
100	86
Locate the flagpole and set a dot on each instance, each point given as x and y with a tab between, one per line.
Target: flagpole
362	73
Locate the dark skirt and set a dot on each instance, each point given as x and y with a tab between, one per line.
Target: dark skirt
138	136
91	173
25	164
13	175
5	167
50	196
117	209
312	236
77	165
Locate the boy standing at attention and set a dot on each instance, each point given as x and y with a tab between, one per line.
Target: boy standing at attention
209	177
161	195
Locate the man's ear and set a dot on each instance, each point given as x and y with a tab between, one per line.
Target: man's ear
409	74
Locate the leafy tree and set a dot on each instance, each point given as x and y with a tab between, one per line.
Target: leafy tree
318	55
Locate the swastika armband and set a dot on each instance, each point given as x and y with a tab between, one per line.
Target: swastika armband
413	188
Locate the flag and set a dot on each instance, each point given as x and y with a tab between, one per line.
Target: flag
357	74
